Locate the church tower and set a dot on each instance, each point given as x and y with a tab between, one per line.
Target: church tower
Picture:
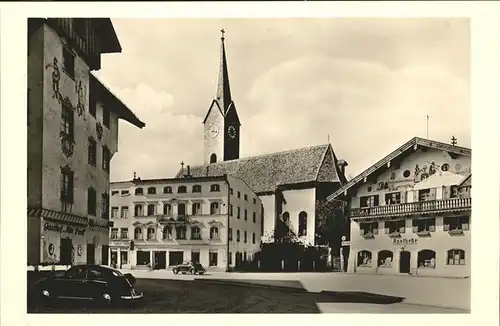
221	124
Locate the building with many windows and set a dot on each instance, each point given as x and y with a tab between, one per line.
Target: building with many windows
72	136
160	223
410	213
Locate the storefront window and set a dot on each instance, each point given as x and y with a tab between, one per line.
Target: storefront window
143	258
426	259
456	257
364	258
385	258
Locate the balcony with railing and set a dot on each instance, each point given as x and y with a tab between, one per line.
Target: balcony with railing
425	207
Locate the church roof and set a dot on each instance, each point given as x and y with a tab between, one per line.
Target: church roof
399	153
264	173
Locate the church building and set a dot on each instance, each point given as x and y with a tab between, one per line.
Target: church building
291	184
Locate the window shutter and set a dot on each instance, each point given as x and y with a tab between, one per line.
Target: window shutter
432	195
446	192
403	197
432	228
416	197
415	229
71	189
465	226
446	227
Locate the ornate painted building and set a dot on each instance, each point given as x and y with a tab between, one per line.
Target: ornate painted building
410	213
289	183
160	223
72	136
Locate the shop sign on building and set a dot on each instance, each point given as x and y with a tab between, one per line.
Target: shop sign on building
63	229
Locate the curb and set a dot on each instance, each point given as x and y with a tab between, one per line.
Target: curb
254	285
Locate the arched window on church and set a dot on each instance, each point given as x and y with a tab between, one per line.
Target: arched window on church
286	217
213	158
302	223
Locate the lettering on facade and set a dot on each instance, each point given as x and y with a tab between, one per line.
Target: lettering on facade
404	241
63	229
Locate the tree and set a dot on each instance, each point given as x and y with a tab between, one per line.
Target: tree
332	223
281	234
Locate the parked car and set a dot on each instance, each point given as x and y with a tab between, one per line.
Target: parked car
100	284
189	267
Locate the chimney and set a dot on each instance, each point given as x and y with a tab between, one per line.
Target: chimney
341	165
189	171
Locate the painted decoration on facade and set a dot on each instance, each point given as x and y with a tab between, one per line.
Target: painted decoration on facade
56	78
98	128
80	106
79	250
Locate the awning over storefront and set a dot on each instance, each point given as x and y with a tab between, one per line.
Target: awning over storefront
58	216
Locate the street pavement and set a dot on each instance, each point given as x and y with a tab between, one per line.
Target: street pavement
419	293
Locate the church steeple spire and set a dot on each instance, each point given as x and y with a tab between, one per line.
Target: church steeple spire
223	95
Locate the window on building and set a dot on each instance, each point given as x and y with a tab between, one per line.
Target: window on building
125	192
364	258
426	259
91	201
230	258
245	197
105	116
230	191
180	232
368	229
196	188
245	214
138	210
124	212
456	224
69	62
167	190
385	258
181	189
454	192
254	217
395	227
138	233
214	188
245	236
139	191
368	201
212	258
238	212
230	234
105	205
213	158
67	124
114	234
106	157
255	201
302	223
195	233
143	258
393	198
239	194
196	208
167	233
230	210
456	257
151	191
151	233
92	152
424	195
167	209
181	210
237	235
214	208
92	104
421	225
195	256
114	212
214	233
151	209
115	193
253	238
124	233
67	187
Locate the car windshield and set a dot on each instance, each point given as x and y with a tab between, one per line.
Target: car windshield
114	271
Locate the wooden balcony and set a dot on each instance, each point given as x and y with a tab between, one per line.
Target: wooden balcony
422	207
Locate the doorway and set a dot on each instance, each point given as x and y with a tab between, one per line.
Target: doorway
404	262
105	255
160	259
90	254
66	246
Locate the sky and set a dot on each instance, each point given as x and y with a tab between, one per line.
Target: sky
365	85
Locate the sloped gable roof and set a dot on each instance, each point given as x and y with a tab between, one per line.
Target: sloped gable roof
467	181
405	148
264	173
210	109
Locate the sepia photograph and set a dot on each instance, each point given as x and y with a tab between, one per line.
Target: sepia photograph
306	165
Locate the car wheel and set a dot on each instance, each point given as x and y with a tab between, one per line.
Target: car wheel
192	271
175	271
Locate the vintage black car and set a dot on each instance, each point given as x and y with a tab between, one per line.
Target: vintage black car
189	267
100	284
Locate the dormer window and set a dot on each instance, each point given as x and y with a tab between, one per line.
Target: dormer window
196	188
151	191
139	191
214	188
167	190
181	190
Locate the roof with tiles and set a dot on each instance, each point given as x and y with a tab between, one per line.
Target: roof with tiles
264	173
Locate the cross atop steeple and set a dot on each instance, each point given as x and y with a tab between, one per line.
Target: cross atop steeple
453	140
222	31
